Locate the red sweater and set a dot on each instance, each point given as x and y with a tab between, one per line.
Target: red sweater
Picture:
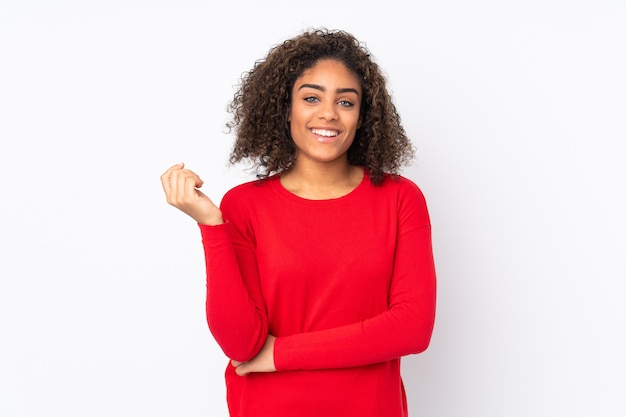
346	285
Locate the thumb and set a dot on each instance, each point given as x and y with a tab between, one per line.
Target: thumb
201	194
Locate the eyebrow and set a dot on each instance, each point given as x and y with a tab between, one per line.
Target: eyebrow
320	88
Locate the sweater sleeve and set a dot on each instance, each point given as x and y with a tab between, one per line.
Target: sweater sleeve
235	309
404	328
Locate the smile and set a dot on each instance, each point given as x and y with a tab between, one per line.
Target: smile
325	132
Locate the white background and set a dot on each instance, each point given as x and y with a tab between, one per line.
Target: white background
517	109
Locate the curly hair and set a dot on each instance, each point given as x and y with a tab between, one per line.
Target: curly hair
260	107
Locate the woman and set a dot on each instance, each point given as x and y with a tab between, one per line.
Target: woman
320	274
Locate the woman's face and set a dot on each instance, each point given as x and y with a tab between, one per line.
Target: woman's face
324	116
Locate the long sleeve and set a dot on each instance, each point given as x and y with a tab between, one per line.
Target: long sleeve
235	310
404	328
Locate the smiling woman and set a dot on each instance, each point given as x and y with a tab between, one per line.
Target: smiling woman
324	118
320	274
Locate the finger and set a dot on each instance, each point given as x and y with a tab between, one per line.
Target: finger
186	183
235	363
180	181
173	186
242	370
174	167
165	177
182	186
197	181
190	187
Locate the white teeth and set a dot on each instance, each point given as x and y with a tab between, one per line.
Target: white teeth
324	132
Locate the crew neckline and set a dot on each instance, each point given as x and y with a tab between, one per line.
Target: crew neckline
283	192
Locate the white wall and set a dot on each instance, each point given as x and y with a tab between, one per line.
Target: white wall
517	109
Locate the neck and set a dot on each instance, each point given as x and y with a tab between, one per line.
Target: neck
322	181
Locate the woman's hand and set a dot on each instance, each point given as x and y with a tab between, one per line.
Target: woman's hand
181	188
262	362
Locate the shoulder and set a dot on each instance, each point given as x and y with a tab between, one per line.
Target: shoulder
246	189
407	196
400	185
247	195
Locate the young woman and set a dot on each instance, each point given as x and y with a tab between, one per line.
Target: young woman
320	274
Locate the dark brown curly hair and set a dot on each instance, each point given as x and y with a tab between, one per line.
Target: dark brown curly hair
262	103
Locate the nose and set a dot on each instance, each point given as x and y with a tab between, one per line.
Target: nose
328	111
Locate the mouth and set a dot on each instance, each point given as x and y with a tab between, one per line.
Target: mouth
325	135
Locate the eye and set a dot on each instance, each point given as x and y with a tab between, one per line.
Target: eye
311	99
345	103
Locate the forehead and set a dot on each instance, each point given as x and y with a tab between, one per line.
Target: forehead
329	71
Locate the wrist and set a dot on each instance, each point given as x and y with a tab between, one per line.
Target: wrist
211	220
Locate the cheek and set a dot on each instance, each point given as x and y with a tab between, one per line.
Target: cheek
356	122
298	117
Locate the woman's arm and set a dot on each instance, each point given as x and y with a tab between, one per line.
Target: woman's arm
235	310
405	328
237	320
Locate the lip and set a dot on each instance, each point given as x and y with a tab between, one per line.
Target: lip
323	138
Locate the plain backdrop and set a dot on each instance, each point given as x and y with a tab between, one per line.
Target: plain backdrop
517	111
